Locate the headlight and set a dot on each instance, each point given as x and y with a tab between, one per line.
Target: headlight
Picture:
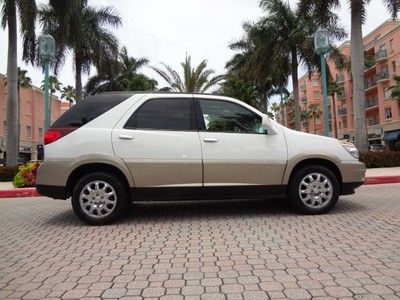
351	149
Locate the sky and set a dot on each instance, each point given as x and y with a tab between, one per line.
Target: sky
165	31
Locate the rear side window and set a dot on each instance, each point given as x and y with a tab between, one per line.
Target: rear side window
89	109
162	114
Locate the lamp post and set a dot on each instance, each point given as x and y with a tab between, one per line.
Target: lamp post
46	54
321	45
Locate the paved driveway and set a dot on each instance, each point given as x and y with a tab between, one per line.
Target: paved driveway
224	250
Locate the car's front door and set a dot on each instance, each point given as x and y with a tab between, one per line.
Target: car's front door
160	145
238	154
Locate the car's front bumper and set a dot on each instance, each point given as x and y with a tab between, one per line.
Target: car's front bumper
353	176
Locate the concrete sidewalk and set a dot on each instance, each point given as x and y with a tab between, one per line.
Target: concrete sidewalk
372	176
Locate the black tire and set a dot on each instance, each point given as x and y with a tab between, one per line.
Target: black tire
116	205
294	194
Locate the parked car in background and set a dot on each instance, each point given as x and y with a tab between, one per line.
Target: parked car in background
377	148
114	148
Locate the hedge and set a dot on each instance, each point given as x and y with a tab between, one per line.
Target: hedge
7	173
26	176
384	159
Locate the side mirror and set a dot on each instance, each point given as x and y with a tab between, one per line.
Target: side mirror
267	125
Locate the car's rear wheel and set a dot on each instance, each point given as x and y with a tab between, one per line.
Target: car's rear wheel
99	198
313	190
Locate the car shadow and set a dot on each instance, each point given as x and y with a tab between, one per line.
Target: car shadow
140	212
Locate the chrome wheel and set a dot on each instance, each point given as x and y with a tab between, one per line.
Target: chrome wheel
315	190
98	199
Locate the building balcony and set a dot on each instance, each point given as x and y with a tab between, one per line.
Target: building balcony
372	122
370	103
369	84
303	99
303	87
341	95
381	55
382	76
342	111
340	78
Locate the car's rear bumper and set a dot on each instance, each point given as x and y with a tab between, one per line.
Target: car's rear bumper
56	192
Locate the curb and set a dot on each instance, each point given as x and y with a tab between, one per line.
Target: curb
32	192
16	193
382	180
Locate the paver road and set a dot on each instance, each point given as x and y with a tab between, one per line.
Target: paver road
217	250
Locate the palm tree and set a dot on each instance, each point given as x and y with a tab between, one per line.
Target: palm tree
26	11
395	90
275	107
281	41
120	75
315	113
333	88
81	28
54	86
195	80
305	116
322	10
68	93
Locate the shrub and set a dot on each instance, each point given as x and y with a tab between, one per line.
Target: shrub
26	176
384	159
397	146
7	173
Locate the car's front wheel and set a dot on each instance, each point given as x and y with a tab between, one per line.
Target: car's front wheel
99	198
313	190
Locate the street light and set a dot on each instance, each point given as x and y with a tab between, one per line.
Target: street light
321	45
46	54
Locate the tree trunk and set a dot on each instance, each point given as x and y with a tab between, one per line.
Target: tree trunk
315	124
12	138
78	80
295	81
334	116
357	70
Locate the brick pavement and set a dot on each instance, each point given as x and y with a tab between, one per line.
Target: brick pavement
224	250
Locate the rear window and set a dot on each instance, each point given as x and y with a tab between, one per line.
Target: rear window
89	109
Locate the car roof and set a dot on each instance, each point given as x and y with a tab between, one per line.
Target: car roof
153	92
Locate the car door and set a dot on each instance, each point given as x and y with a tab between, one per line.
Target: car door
160	145
238	154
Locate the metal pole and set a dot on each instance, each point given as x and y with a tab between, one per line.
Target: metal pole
46	97
325	95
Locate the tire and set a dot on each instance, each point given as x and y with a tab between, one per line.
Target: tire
99	198
321	197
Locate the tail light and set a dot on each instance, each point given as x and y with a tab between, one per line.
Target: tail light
54	134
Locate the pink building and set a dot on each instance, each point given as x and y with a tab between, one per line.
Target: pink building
382	62
31	119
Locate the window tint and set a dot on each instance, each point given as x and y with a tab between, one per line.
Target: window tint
89	109
162	114
224	116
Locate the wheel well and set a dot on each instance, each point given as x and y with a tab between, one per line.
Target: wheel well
320	162
94	167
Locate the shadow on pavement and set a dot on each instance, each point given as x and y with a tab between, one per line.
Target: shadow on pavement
203	210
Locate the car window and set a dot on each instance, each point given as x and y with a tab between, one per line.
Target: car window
162	114
224	116
89	109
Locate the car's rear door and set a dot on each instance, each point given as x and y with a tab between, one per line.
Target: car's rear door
160	144
239	157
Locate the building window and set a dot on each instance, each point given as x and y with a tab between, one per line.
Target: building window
315	82
344	123
340	125
4	127
318	121
388	113
40	132
391	46
394	66
28	131
387	93
317	95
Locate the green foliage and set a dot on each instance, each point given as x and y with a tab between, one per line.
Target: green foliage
397	146
384	159
395	90
236	87
26	176
7	173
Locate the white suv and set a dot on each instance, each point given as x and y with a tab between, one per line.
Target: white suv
114	148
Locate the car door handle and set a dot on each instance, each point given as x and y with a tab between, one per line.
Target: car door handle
125	137
210	140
